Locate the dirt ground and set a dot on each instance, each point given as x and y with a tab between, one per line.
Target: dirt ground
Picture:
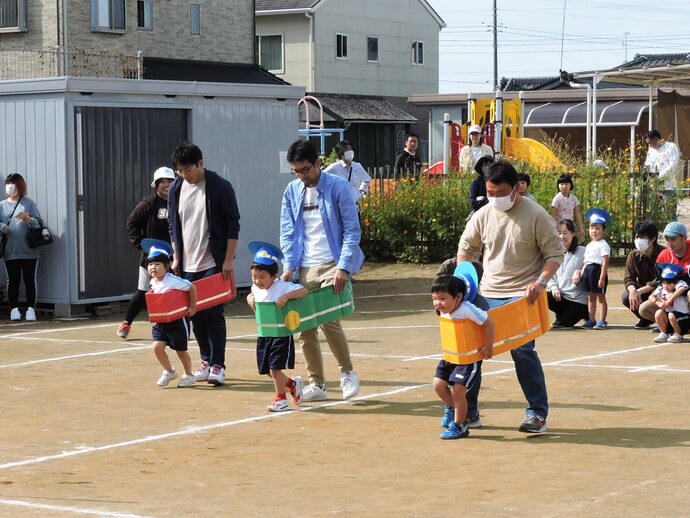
85	430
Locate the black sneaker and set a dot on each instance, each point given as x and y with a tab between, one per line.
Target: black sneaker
533	424
642	324
556	324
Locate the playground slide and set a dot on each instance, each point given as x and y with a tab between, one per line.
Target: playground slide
532	152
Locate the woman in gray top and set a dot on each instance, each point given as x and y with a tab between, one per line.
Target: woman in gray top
17	214
567	300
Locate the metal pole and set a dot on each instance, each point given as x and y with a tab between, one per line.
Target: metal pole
632	148
498	124
446	141
595	80
495	47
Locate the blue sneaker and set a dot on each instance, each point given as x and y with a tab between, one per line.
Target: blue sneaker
589	324
455	432
448	416
601	325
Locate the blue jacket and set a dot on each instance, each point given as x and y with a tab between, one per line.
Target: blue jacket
340	222
221	212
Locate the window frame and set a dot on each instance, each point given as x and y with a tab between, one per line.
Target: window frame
145	3
376	39
94	16
257	43
22	19
195	31
417	50
343	48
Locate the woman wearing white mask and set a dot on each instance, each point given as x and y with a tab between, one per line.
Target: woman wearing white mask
17	214
567	300
640	270
352	171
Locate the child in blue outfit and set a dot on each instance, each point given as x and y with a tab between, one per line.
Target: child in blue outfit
274	354
451	297
174	334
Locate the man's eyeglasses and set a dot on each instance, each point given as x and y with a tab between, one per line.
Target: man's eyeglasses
302	171
186	171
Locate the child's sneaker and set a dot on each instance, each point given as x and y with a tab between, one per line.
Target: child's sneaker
123	330
662	338
201	374
601	325
166	377
455	431
448	416
296	391
675	338
187	381
279	405
473	422
589	324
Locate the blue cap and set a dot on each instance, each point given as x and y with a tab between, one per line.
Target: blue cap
674	229
670	271
265	253
156	248
466	271
597	216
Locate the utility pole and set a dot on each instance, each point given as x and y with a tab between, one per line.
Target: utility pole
495	48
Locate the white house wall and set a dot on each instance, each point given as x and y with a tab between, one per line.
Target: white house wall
295	31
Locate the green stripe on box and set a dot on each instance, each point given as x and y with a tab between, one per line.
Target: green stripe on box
317	308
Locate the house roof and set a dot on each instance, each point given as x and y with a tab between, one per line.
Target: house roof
655	70
517	84
210	71
344	108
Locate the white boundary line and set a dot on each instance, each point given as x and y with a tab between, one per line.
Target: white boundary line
75	510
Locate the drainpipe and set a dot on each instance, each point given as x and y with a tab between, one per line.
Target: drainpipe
588	134
311	51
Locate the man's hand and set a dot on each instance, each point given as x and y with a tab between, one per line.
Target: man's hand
287	275
634	299
533	292
175	267
228	268
339	280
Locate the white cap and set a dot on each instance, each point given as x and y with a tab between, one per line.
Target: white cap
600	163
475	128
162	172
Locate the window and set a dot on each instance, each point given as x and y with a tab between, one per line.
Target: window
417	52
13	16
372	49
195	17
341	46
107	15
269	52
145	14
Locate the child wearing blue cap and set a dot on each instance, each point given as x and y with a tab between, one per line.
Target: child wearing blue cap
274	354
174	334
673	304
594	273
452	297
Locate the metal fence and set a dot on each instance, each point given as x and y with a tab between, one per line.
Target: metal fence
16	63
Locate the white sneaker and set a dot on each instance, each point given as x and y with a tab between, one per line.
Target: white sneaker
675	338
15	314
166	377
314	392
216	376
201	374
279	405
662	338
187	381
296	392
349	382
30	315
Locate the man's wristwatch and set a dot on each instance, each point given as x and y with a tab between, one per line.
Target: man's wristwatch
542	281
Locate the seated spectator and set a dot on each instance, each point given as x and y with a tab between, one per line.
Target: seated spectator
640	271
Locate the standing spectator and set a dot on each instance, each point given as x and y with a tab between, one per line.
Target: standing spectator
662	159
319	236
565	204
352	171
407	161
471	153
478	186
594	273
17	214
149	219
514	268
640	271
523	186
204	224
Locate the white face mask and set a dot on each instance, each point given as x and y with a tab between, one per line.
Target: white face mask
10	189
502	203
349	155
641	244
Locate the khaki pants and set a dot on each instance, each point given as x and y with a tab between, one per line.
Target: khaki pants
313	277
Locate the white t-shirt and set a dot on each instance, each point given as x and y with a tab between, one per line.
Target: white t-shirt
565	207
170	282
195	230
680	304
274	291
596	250
467	310
316	250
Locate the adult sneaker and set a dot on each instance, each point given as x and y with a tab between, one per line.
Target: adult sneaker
201	374
349	382
30	315
675	338
455	431
123	330
473	422
314	392
187	381
296	391
279	405
15	314
643	323
216	376
166	377
533	424
662	338
448	416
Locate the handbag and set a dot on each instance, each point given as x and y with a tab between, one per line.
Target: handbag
3	240
39	236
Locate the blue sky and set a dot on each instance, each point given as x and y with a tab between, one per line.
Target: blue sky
530	37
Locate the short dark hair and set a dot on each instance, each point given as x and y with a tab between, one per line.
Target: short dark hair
571	227
161	258
448	284
524	177
647	229
18	181
302	150
502	171
410	135
653	134
186	154
565	178
272	268
341	146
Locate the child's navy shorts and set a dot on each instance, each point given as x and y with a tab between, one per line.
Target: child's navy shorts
175	334
275	353
683	321
590	279
460	374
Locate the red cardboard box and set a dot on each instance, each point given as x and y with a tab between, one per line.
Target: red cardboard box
172	305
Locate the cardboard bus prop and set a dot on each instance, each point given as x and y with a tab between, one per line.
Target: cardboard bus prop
516	324
318	307
172	305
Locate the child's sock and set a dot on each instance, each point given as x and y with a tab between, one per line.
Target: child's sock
280	396
290	384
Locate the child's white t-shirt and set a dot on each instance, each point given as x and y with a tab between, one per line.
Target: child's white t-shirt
565	207
596	250
680	304
170	282
467	310
274	291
